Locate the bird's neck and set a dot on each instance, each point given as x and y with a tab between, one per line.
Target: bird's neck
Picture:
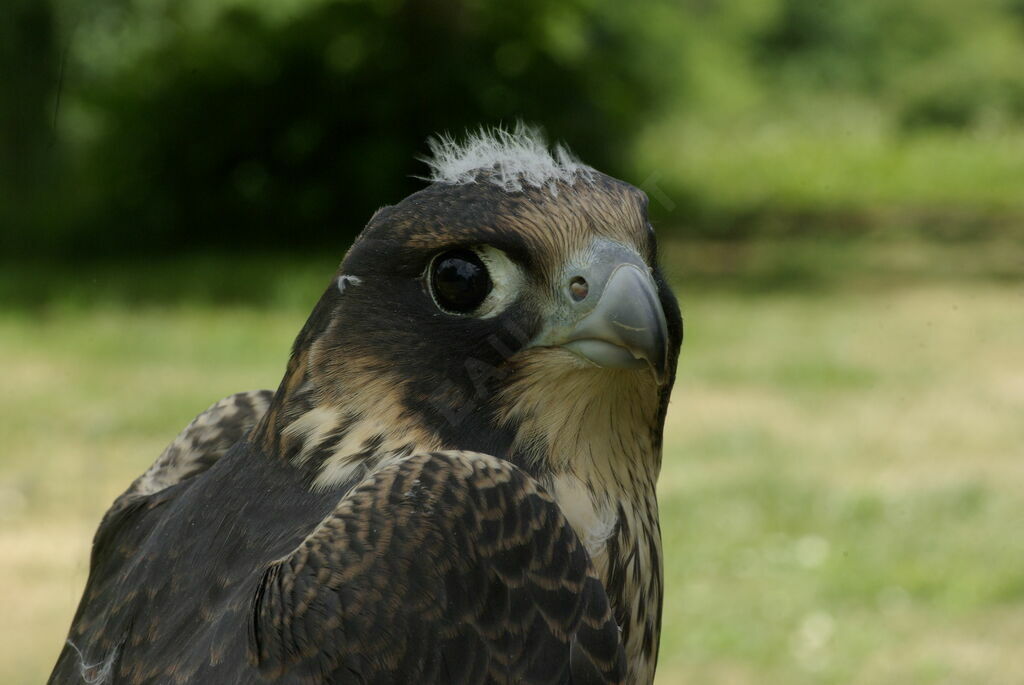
336	414
338	433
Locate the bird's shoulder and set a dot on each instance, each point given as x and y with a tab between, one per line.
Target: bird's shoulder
203	441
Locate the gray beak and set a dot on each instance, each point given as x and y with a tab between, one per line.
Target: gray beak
609	313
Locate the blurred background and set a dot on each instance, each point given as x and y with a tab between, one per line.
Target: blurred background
838	188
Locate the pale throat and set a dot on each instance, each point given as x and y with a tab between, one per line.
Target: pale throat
591	436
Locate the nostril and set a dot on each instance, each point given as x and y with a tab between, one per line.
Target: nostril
578	288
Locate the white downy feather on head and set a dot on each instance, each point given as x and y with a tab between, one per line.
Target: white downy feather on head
512	160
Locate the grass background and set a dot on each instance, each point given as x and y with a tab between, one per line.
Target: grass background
843	486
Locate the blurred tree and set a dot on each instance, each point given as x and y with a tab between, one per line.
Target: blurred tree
259	124
247	128
836	44
29	68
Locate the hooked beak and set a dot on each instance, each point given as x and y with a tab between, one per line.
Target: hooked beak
618	322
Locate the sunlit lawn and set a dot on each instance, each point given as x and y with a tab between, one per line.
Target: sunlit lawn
843	488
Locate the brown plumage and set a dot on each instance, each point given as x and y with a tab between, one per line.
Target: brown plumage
455	480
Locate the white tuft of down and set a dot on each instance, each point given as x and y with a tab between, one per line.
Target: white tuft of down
345	281
98	673
512	160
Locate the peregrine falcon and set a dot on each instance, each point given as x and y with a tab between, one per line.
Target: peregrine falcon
454	481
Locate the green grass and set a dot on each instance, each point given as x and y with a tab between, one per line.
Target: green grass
841	495
841	498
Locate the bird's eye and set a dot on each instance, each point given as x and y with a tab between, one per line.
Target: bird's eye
459	281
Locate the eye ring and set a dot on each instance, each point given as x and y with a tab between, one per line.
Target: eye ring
459	281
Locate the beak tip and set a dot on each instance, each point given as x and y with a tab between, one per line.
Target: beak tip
629	316
623	325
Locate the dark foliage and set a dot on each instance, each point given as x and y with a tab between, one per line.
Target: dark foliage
255	132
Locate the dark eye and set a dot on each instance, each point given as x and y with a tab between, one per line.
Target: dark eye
459	280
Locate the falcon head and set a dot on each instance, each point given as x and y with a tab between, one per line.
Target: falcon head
519	282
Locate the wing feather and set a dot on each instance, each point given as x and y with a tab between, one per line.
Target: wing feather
448	567
131	517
